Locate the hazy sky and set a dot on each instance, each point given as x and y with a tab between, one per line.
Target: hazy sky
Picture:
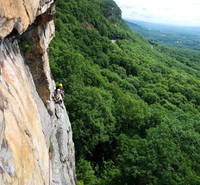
177	12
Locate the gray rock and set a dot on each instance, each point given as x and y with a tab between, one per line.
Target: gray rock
2	126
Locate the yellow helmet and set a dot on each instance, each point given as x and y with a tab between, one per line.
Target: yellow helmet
60	85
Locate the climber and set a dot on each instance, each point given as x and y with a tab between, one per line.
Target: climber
58	95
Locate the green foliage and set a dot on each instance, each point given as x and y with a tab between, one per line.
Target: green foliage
25	47
51	149
80	182
134	108
86	173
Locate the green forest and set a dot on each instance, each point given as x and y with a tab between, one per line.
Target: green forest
134	105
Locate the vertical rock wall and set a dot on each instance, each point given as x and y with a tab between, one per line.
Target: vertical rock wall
36	146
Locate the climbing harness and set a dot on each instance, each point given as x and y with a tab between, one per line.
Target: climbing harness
58	97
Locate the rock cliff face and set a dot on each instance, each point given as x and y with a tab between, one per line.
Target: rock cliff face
36	146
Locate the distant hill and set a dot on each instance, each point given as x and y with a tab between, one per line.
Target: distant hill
173	36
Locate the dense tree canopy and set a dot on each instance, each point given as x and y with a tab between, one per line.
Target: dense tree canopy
134	106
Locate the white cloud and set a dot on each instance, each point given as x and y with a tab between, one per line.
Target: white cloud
178	12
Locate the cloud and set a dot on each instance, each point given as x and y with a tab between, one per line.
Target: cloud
176	12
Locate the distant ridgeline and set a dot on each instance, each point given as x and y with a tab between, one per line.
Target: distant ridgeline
134	105
173	36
